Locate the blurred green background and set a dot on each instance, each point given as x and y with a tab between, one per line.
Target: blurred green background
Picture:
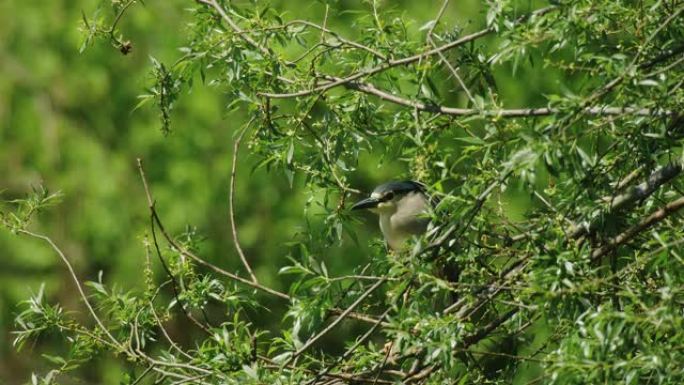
67	122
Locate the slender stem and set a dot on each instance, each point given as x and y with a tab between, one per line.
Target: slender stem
637	193
231	198
633	231
82	293
403	61
339	319
196	258
192	255
352	348
235	27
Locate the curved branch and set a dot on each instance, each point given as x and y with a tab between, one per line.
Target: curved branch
634	194
196	258
234	26
231	209
352	348
336	35
503	113
633	231
84	297
378	69
399	62
339	319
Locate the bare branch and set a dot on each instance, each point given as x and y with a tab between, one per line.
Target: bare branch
236	28
500	113
339	319
631	196
196	258
165	333
190	254
337	36
633	231
84	297
352	348
400	62
231	198
442	58
378	69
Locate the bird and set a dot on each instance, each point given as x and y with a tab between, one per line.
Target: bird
401	207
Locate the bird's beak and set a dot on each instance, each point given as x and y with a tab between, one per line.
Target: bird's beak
367	203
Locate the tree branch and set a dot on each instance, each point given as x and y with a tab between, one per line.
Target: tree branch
400	62
81	292
231	197
236	28
352	348
339	319
194	257
633	231
502	113
631	196
187	253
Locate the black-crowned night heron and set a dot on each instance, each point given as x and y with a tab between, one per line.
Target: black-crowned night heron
401	207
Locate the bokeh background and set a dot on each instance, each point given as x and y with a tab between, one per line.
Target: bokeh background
67	122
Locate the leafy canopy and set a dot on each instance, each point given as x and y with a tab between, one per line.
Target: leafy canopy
549	131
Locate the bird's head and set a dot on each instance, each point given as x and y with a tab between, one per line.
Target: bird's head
386	196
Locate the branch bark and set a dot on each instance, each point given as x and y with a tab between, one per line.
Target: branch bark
237	278
231	208
400	62
639	192
81	292
339	319
501	113
633	231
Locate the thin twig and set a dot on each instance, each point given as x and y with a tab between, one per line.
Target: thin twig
339	319
384	362
193	256
442	58
174	282
235	27
400	62
479	202
190	379
352	348
494	113
166	334
84	297
142	375
637	193
352	378
633	231
231	198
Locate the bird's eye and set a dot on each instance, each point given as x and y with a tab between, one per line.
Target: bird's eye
388	196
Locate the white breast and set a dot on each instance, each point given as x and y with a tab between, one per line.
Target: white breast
405	220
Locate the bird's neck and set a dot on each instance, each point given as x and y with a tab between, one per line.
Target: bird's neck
393	239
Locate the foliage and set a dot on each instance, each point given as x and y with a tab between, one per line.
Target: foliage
569	107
